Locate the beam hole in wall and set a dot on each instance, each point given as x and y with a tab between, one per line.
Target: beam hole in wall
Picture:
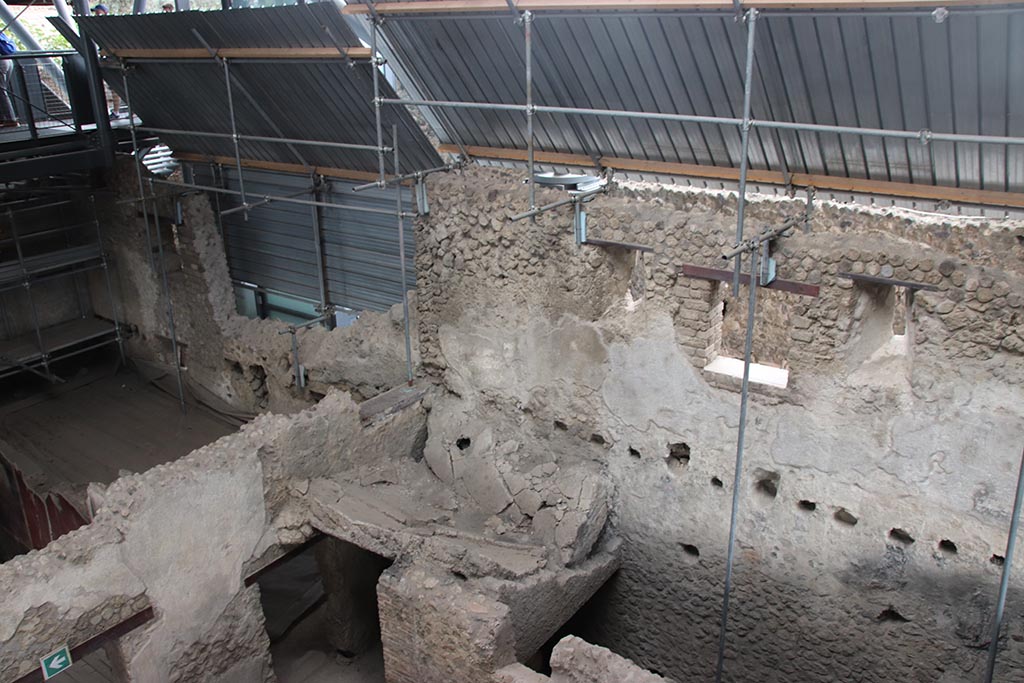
678	455
844	516
716	482
463	442
891	614
947	546
808	505
690	549
997	560
766	482
634	452
900	535
560	426
598	439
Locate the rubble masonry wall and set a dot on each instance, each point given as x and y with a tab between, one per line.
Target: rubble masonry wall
877	485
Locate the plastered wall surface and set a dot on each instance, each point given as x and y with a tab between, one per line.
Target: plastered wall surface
877	485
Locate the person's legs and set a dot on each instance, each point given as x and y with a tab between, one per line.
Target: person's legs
7	115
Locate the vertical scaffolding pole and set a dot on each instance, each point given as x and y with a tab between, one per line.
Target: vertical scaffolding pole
401	259
138	164
170	302
736	480
741	200
234	135
376	99
528	36
27	284
106	277
1004	582
321	276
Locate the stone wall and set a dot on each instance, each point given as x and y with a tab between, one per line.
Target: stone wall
152	543
573	660
877	485
232	360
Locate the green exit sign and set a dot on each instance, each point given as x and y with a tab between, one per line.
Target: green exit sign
55	662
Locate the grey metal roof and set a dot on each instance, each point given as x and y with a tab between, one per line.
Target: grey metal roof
327	100
274	248
901	71
310	25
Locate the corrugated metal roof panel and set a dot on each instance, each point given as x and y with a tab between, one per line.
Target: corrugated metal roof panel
309	25
327	100
901	71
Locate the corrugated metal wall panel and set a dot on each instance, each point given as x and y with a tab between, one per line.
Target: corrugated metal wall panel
275	247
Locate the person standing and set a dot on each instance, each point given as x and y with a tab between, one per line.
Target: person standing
8	119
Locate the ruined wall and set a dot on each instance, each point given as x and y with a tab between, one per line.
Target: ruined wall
244	363
877	485
152	543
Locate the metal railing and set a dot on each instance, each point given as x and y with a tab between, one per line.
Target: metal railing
49	94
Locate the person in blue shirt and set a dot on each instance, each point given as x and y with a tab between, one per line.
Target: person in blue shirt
8	119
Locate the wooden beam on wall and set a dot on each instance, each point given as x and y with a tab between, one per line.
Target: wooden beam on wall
282	167
823	182
244	53
469	6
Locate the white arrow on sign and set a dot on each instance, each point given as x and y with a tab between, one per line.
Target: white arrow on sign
57	662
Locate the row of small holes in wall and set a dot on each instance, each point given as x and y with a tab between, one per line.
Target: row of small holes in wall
945	546
678	455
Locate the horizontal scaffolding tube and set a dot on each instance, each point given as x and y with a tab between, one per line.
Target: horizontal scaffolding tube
921	135
290	200
266	199
554	205
261	138
407	176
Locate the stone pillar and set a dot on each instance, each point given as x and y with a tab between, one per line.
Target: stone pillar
437	629
350	577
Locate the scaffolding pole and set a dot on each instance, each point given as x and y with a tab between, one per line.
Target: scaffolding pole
321	274
528	38
741	199
109	284
261	138
170	302
27	284
234	137
1004	581
377	102
138	165
401	262
289	200
923	136
736	481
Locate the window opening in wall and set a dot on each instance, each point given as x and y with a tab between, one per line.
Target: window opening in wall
320	605
883	317
759	372
808	505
